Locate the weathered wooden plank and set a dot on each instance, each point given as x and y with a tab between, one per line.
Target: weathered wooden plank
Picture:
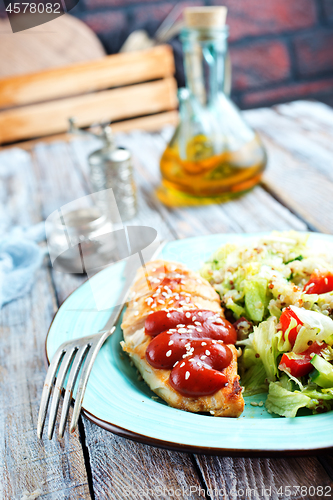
110	71
41	119
264	479
312	115
26	463
306	145
131	470
300	160
61	172
299	186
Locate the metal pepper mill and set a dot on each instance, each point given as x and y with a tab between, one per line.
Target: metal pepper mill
111	167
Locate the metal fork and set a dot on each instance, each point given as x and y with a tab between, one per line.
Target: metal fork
81	352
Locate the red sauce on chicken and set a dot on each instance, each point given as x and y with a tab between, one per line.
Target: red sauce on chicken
192	345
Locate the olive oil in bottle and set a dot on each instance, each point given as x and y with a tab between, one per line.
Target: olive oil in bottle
214	154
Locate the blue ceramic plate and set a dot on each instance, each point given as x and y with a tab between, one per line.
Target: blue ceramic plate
118	401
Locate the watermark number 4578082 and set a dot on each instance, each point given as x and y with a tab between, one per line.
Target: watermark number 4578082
25	14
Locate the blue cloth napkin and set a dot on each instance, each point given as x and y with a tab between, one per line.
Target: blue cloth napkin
20	256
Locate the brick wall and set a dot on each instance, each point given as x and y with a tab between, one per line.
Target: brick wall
281	49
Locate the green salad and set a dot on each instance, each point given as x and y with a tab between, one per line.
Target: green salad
278	292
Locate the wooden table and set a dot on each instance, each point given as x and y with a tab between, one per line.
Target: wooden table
296	193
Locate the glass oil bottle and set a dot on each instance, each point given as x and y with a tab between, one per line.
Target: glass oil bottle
214	155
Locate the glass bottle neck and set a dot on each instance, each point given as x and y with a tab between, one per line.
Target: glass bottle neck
205	53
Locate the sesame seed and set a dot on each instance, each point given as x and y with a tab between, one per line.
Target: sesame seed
187	375
203	357
170	342
194	318
207	352
198	329
182	330
197	323
160	301
180	326
168	315
175	364
188	315
261	403
199	313
168	354
203	343
199	364
183	364
213	341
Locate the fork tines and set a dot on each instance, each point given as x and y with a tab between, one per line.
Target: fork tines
69	358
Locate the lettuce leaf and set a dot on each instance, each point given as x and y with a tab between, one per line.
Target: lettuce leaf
253	373
284	402
264	341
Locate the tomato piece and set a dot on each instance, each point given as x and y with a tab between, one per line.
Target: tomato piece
285	319
319	283
300	365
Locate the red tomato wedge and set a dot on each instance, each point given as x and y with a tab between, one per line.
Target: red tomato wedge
319	283
299	365
285	319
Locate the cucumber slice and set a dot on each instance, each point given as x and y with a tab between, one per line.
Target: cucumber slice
323	373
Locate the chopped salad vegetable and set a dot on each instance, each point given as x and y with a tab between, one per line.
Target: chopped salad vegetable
280	292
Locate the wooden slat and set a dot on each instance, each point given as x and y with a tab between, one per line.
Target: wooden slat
27	464
52	117
264	479
296	175
111	71
152	123
301	142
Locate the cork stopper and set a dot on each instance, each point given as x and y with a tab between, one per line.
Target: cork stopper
205	17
